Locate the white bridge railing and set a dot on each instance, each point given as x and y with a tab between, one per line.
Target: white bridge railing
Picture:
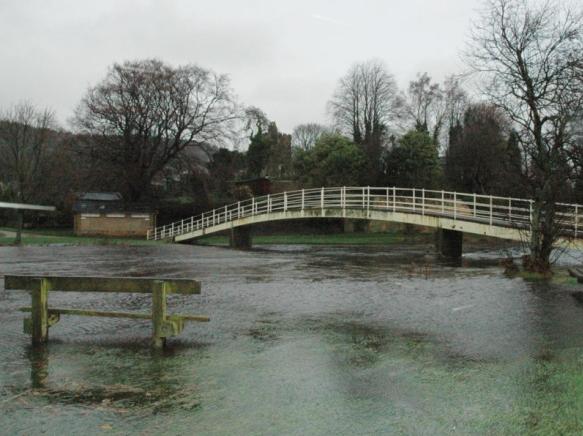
487	209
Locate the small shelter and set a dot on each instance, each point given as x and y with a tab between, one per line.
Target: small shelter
106	214
20	208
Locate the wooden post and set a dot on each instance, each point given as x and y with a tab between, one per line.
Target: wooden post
19	224
40	312
158	314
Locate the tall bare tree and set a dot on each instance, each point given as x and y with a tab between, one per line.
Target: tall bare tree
26	137
304	136
145	113
531	57
435	108
26	134
365	105
456	102
425	105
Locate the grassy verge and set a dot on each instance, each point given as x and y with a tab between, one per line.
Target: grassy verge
327	239
65	237
559	276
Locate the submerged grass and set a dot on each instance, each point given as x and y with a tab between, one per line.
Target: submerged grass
559	276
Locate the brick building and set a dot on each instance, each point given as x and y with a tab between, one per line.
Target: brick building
106	214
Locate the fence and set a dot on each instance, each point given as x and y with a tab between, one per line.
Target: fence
488	209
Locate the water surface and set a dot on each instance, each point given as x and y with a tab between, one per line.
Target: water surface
302	340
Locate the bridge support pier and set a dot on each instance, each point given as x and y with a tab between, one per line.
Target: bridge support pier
240	238
449	243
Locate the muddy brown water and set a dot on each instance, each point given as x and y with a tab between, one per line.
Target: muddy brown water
302	340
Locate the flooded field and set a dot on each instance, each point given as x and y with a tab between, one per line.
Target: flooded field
302	340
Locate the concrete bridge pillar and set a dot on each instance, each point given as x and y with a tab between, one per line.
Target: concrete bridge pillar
449	243
240	238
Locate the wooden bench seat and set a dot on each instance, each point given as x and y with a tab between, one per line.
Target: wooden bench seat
42	317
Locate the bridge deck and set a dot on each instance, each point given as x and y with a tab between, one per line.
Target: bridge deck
502	217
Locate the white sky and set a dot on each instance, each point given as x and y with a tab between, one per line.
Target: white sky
282	56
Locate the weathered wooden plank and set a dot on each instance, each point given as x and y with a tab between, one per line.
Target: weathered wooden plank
159	315
102	284
83	312
105	314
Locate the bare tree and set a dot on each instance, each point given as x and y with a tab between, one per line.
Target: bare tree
531	57
425	105
25	145
304	136
365	105
25	138
435	108
456	102
145	113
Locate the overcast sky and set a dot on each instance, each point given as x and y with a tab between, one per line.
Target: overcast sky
282	56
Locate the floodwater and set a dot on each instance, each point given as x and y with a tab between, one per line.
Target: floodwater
302	340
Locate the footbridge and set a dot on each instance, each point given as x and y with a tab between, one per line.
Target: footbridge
453	213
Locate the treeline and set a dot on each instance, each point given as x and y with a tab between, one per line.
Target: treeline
137	133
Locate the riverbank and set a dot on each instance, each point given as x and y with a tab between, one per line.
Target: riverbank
66	237
380	238
324	239
37	237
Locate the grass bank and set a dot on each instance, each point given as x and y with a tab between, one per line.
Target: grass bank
326	239
64	237
377	238
559	276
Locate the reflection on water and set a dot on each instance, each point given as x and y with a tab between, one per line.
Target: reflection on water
39	366
302	340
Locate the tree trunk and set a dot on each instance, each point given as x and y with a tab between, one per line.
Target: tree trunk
542	237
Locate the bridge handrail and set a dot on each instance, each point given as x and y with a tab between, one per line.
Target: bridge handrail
494	210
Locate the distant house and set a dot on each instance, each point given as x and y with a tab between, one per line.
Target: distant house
106	214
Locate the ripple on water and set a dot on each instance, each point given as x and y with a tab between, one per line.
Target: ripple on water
302	339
